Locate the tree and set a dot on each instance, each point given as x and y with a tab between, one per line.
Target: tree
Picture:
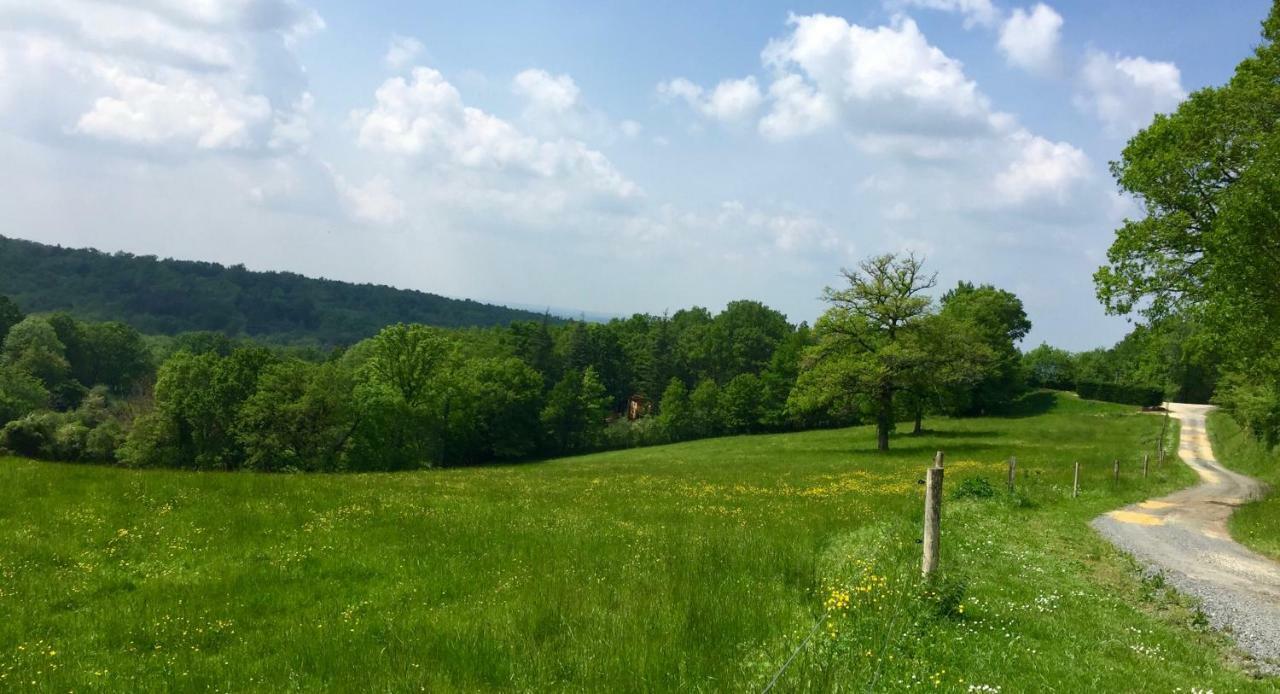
999	321
20	393
532	343
33	346
115	356
1050	367
575	409
299	417
950	356
492	412
743	337
704	409
741	404
400	402
10	315
864	339
674	414
1208	177
198	402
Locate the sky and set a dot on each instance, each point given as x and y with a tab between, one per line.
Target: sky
608	158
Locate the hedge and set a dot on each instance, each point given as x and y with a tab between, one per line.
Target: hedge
1144	396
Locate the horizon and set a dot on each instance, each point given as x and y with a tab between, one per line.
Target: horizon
715	155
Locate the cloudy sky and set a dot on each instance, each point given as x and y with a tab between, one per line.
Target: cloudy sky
639	157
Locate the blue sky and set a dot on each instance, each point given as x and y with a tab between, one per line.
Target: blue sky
610	157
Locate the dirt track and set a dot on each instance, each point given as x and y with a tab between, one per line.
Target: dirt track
1184	535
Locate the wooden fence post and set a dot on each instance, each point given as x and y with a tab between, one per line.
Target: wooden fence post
932	516
1075	485
1116	466
1146	461
1013	471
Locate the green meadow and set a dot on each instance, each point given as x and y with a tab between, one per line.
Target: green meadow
699	566
1256	524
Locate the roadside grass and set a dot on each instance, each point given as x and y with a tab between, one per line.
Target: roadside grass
1256	524
695	567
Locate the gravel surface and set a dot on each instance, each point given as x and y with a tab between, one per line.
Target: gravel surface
1184	536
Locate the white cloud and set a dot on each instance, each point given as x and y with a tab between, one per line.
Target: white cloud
425	116
883	79
402	51
732	100
554	109
1041	171
546	92
166	74
1124	93
974	11
1029	39
798	109
175	107
900	99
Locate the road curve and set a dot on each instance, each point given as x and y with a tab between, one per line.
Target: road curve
1184	535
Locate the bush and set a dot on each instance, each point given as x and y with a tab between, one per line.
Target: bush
647	431
31	435
1143	396
974	488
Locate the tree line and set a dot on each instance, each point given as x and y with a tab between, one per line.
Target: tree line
1200	265
417	396
169	297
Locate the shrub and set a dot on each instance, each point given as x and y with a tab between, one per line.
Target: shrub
974	488
31	435
1143	396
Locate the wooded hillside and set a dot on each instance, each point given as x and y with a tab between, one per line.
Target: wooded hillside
172	296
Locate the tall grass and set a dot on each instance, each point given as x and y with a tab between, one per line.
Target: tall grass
691	567
1256	524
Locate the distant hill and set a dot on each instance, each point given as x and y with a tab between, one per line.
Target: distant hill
172	296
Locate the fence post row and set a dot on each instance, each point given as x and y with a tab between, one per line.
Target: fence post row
1013	471
932	515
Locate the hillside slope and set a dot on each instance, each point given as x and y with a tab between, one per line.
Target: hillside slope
172	296
691	567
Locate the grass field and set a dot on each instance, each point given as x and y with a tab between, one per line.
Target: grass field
1257	524
692	567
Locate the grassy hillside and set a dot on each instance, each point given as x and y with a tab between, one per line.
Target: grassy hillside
692	567
173	296
1257	524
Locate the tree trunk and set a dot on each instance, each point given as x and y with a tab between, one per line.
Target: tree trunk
884	419
919	428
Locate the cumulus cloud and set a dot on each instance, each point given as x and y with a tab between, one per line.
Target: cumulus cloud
887	78
546	92
165	74
896	96
1041	170
732	100
975	11
798	108
1125	92
402	51
424	116
1029	38
554	108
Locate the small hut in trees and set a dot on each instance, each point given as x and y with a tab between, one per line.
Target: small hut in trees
637	406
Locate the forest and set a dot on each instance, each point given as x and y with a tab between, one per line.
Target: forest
417	396
168	297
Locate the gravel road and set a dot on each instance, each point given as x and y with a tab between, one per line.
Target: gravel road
1184	535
